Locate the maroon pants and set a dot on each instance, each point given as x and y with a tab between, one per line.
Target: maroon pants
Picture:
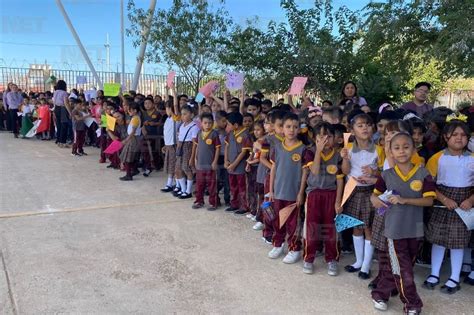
238	191
290	228
320	226
385	280
260	199
129	167
114	159
79	140
267	223
148	149
402	258
252	190
103	145
206	179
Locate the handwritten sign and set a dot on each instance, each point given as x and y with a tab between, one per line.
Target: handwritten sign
170	79
110	122
111	89
234	80
209	88
297	85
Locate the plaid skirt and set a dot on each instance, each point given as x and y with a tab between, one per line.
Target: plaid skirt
379	240
130	151
182	162
359	205
170	159
445	227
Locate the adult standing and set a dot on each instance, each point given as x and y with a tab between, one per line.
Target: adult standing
60	97
419	104
14	100
350	97
5	104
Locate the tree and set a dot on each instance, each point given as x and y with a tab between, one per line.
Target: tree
317	42
188	36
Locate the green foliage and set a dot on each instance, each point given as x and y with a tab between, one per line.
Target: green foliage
188	36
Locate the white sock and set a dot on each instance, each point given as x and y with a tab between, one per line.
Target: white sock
178	186
182	183
189	187
437	256
368	253
169	183
456	263
359	250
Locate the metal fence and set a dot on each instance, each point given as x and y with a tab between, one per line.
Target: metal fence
33	79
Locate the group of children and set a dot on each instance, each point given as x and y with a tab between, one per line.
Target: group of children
412	174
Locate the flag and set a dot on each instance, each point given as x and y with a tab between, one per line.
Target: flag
344	222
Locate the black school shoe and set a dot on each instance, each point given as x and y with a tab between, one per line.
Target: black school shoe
450	290
469	281
185	196
231	209
430	285
135	172
351	269
167	189
241	212
147	173
126	178
176	193
364	275
373	284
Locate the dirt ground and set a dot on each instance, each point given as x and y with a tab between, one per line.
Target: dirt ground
75	239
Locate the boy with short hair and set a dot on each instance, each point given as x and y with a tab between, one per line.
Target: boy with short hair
207	147
254	108
332	115
222	175
237	148
289	158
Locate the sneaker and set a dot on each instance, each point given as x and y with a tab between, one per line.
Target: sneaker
380	305
275	252
197	205
212	208
75	154
83	153
308	268
413	312
231	209
241	212
292	257
249	216
167	189
147	173
185	195
332	268
258	226
126	178
267	240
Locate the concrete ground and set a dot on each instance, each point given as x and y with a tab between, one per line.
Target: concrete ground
75	239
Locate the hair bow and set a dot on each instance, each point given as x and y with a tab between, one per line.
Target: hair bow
459	116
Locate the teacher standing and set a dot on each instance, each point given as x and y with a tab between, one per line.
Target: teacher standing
61	109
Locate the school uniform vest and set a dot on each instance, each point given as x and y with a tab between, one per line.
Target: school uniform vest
288	171
329	170
236	143
152	117
405	221
206	149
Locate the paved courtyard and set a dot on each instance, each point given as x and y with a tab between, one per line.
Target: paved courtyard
75	239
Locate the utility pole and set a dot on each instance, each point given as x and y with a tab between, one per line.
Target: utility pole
122	35
78	42
144	39
107	52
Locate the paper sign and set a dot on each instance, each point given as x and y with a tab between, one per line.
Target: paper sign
347	135
98	132
209	88
348	189
89	121
81	79
103	120
234	80
199	97
344	222
170	79
298	85
90	94
115	146
110	122
111	89
467	217
285	213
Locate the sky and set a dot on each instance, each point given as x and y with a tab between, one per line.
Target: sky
34	31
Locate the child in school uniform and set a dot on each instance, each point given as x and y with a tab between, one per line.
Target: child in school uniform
361	161
290	156
149	145
44	115
79	114
170	137
274	130
256	174
222	175
119	133
130	147
413	188
184	154
453	169
237	147
325	183
207	147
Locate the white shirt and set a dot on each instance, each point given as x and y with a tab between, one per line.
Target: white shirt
360	158
455	170
170	130
183	131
